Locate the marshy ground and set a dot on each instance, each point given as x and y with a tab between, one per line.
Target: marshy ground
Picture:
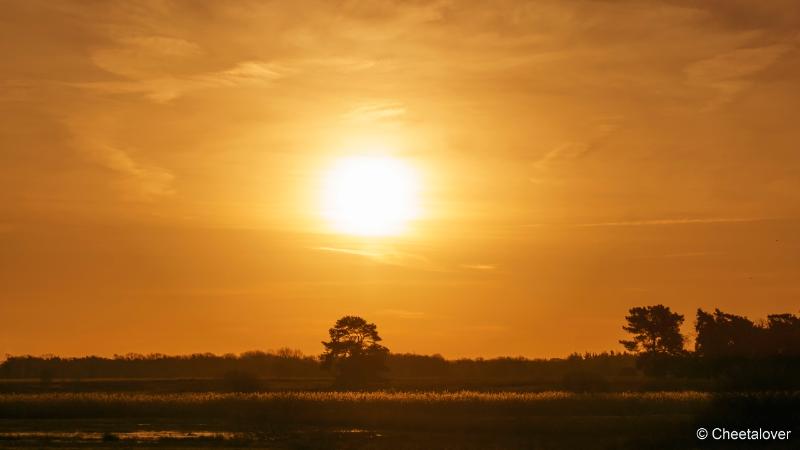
386	419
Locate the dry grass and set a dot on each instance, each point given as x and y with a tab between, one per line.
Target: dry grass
553	419
456	398
376	406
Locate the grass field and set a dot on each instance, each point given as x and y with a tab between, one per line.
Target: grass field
384	419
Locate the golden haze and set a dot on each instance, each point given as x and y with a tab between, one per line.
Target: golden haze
161	164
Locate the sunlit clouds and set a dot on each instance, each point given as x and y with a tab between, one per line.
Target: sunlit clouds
511	167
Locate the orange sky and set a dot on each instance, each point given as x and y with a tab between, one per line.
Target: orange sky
160	164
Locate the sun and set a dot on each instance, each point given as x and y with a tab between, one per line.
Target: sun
370	196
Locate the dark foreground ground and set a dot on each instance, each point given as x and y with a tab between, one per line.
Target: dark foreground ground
393	420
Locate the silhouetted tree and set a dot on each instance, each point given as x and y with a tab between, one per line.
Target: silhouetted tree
783	336
353	354
722	335
657	340
655	329
742	354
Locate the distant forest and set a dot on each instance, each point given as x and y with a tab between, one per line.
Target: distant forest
286	363
730	351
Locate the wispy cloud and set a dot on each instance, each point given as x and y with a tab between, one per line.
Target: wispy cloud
567	150
684	221
388	256
167	88
349	251
697	254
140	56
731	72
479	266
598	132
688	254
141	181
344	65
375	112
137	180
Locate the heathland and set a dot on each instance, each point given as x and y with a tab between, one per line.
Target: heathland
741	376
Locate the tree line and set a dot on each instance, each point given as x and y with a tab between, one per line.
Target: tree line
731	350
727	347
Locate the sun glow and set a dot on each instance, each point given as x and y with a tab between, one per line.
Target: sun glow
370	196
